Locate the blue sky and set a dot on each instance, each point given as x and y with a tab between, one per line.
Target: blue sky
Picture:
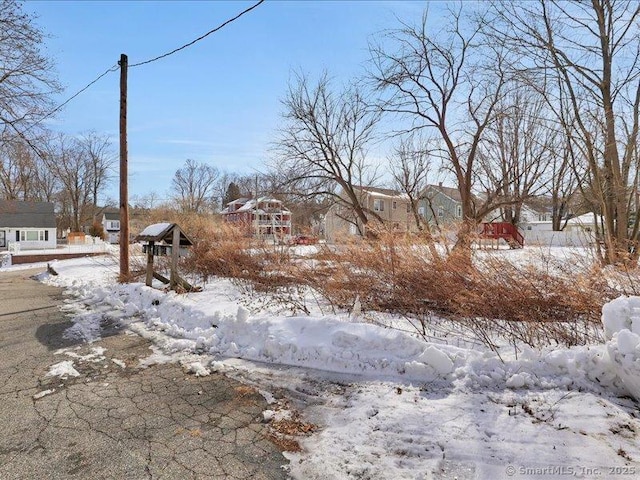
216	102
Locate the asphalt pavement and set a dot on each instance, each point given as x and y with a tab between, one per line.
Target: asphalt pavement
115	420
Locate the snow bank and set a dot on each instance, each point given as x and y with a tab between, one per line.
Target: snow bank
213	322
621	320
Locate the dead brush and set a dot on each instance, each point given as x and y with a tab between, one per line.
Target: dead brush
538	304
221	250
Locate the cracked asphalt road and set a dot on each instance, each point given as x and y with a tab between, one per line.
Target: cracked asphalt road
115	420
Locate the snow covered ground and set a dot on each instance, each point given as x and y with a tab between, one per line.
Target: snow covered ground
388	405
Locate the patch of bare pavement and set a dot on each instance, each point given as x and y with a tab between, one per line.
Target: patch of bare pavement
115	419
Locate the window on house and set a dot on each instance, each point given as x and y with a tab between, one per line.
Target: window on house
394	205
378	205
459	211
32	235
421	211
408	208
440	212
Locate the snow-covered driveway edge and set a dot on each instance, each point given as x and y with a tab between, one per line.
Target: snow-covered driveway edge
198	323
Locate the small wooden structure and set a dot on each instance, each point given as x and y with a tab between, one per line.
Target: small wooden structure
503	230
164	239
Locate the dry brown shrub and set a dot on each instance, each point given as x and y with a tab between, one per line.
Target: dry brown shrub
539	303
221	250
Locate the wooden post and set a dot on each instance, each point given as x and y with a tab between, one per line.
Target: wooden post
150	263
175	251
124	188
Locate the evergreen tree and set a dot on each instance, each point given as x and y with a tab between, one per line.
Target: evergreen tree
232	193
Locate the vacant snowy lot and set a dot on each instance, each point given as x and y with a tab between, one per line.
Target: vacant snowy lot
387	404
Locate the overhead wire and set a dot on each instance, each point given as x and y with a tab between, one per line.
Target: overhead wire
22	133
186	45
86	87
115	67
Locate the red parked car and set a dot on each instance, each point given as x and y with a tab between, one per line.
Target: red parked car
304	240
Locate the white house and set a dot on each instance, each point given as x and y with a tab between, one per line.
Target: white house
27	225
111	224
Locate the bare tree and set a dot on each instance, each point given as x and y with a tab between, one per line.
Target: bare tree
146	202
322	148
97	150
450	82
563	178
64	159
194	185
26	75
18	171
47	185
591	50
517	150
409	166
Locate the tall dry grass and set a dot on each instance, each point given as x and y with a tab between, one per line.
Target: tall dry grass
544	301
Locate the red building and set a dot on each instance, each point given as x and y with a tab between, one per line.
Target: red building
261	217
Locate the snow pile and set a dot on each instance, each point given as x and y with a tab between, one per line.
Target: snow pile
621	320
205	323
325	343
196	368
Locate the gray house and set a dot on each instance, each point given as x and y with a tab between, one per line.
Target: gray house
440	205
27	225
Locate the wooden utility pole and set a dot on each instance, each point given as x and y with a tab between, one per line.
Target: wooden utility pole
149	279
175	253
124	170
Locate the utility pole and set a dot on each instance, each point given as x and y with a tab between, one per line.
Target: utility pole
124	170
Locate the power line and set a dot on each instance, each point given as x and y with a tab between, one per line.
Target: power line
89	85
22	134
116	66
199	38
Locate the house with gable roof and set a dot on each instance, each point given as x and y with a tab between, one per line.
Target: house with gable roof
111	224
27	225
389	206
262	217
440	204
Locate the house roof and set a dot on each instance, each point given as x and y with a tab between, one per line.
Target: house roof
450	192
250	204
19	214
381	191
112	215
